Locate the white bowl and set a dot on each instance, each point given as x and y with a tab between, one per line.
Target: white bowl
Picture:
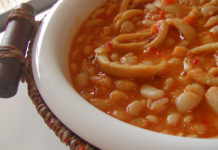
50	68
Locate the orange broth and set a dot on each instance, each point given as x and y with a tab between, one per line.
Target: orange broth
121	97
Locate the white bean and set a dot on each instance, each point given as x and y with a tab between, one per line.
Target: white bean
188	64
168	83
101	103
216	58
195	88
125	85
180	134
172	9
212	98
206	39
82	79
151	8
173	119
140	122
180	51
159	105
152	119
214	30
166	131
136	107
120	114
211	21
184	2
129	58
187	119
127	26
102	81
118	96
190	98
175	61
91	70
148	23
87	49
149	91
213	71
194	13
115	57
209	10
187	101
192	136
199	128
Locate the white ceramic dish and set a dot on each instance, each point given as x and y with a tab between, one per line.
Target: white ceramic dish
50	58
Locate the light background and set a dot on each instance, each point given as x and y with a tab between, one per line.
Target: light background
21	127
5	5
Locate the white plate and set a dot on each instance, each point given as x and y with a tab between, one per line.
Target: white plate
50	58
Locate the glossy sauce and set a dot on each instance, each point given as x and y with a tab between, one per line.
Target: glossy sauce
122	98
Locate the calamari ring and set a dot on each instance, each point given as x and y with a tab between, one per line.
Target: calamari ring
202	77
126	16
142	44
187	30
207	48
164	27
130	36
128	71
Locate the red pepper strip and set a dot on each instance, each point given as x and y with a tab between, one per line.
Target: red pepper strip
109	44
195	61
162	14
189	20
155	51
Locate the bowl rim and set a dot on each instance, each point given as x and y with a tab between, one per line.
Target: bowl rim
118	135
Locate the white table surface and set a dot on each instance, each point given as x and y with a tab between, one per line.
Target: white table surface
21	127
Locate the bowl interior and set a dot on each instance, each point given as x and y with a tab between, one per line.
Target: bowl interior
50	68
